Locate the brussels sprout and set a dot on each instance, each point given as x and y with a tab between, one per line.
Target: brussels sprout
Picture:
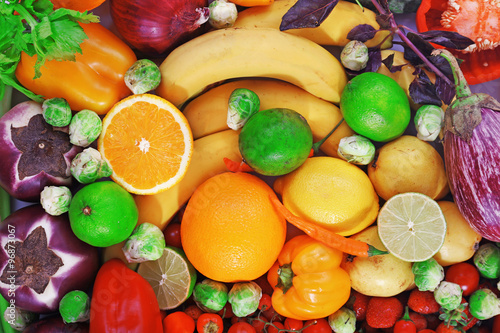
356	149
484	304
243	104
448	295
84	128
354	55
143	76
428	274
89	166
429	120
210	295
74	307
244	298
223	14
56	112
343	320
487	260
55	199
146	243
18	318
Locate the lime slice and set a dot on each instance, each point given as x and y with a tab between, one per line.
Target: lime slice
172	277
411	226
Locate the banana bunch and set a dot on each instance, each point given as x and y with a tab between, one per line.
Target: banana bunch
332	31
250	52
207	113
206	161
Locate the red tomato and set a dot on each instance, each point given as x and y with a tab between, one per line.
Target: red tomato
265	302
405	326
241	327
464	274
317	326
226	312
259	324
178	322
172	233
209	323
274	327
193	311
293	324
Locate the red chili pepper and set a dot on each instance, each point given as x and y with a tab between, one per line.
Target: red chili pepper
479	66
405	324
123	301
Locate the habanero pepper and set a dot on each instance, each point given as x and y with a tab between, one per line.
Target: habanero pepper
308	280
481	65
123	301
94	81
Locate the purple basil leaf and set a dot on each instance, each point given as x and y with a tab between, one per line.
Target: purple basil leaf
307	14
362	32
444	90
443	65
373	64
449	39
384	20
389	63
385	5
423	46
422	90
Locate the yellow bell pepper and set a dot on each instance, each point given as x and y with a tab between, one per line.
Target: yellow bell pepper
307	279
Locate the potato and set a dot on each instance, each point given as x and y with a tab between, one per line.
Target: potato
461	241
381	275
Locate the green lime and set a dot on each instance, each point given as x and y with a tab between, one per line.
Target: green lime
172	277
411	226
375	106
275	142
103	214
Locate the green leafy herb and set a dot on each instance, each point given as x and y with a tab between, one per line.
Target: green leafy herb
34	27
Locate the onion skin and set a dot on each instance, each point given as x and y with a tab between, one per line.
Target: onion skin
29	188
80	260
474	175
157	27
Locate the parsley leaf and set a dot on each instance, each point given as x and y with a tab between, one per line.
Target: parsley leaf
34	27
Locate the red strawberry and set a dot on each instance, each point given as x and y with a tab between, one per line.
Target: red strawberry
419	320
383	312
443	328
423	302
360	304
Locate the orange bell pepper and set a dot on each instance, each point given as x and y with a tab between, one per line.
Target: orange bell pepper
307	279
95	81
478	67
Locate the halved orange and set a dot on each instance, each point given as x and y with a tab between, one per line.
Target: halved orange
147	142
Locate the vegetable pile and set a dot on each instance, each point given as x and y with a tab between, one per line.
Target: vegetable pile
87	255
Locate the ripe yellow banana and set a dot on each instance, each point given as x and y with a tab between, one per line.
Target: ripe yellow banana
332	31
240	52
207	113
207	161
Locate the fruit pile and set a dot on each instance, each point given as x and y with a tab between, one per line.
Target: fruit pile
245	171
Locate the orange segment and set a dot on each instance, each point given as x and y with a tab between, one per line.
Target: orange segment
148	143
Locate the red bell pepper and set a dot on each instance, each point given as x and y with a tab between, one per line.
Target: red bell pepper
123	301
479	66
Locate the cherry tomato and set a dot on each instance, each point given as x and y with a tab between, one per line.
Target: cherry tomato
496	324
172	233
464	274
405	326
293	324
241	327
265	302
209	323
235	319
273	328
178	322
259	324
226	312
193	311
317	326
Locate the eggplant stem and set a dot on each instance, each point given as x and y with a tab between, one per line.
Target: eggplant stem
318	144
461	85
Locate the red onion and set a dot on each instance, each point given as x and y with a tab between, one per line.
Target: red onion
34	153
41	259
156	27
471	154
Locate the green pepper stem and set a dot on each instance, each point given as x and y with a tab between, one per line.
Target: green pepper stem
461	86
285	277
318	144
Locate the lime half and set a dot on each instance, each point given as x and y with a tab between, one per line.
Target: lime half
172	277
411	226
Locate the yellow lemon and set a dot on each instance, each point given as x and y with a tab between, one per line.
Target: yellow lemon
331	192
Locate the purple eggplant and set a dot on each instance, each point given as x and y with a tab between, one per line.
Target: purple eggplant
472	153
41	259
56	324
33	153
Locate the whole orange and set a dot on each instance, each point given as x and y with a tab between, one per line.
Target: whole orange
230	231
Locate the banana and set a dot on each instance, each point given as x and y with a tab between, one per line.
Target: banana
207	113
207	161
240	52
332	31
